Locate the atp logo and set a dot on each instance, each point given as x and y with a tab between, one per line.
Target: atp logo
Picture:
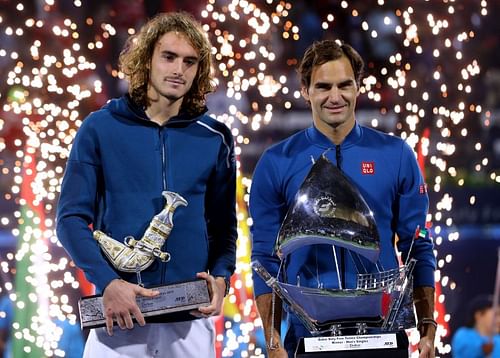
324	207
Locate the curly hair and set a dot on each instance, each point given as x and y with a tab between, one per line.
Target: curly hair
321	52
135	58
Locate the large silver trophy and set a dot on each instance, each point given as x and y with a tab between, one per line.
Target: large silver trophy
137	255
330	210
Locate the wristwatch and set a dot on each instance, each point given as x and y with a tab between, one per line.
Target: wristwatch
228	284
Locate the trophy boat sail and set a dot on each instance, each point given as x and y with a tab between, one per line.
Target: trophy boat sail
329	209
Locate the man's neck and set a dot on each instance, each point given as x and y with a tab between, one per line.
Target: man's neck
483	329
160	111
336	134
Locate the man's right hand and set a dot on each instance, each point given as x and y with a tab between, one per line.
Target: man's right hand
119	301
278	353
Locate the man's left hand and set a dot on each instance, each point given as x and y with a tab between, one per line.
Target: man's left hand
216	289
426	347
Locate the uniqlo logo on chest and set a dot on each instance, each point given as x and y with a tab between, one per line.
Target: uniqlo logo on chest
367	168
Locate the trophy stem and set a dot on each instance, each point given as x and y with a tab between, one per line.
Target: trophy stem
138	274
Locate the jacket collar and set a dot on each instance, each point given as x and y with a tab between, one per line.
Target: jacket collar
319	139
182	118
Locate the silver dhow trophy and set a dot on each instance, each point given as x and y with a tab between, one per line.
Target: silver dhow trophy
137	255
369	318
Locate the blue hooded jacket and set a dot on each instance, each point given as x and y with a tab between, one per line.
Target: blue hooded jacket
118	167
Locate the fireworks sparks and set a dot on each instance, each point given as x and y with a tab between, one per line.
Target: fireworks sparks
422	78
49	80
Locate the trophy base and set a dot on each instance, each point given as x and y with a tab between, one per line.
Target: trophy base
172	304
387	345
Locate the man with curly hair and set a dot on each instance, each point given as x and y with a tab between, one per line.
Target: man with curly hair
153	139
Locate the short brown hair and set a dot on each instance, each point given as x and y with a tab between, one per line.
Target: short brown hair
321	52
136	56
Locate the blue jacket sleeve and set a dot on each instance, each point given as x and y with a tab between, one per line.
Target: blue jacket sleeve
412	206
220	214
76	210
267	209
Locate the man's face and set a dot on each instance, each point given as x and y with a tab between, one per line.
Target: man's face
173	67
485	321
332	94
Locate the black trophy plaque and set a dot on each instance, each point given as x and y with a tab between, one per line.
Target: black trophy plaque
172	304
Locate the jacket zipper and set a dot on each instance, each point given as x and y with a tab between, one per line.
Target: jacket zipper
163	159
338	157
164	183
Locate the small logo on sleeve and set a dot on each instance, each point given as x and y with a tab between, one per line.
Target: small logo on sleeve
367	168
422	189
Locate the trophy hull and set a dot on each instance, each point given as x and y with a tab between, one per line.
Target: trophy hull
343	304
172	304
324	311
